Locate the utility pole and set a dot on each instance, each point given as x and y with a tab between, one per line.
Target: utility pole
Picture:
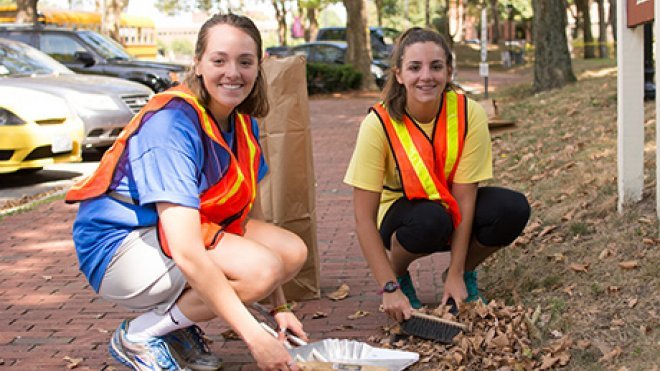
483	66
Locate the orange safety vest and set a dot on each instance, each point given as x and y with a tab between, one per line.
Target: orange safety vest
427	166
225	205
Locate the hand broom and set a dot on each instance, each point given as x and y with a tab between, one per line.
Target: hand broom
433	328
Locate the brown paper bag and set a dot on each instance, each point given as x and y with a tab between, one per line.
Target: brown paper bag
287	193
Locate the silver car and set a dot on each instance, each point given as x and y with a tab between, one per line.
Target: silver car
104	104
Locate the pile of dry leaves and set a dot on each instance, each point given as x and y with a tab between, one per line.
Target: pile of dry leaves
497	337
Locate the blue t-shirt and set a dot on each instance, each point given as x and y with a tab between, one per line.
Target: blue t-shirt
169	159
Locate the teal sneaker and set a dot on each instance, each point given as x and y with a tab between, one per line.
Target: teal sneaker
405	282
472	288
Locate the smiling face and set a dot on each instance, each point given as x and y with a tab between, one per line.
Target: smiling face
228	68
424	73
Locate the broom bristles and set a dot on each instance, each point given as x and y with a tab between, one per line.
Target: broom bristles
432	328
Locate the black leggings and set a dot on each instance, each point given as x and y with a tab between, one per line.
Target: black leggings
425	227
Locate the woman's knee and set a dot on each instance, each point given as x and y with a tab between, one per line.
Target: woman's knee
501	216
292	251
428	231
263	276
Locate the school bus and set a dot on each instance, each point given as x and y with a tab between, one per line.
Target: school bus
138	33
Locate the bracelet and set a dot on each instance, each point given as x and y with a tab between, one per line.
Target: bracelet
282	308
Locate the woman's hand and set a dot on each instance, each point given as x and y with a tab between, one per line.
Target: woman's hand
270	354
397	306
289	321
454	288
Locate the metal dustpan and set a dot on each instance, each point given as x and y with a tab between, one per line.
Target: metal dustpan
354	353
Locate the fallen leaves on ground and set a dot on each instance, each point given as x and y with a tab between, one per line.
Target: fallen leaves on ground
497	337
358	314
631	264
72	362
230	335
319	314
342	293
579	267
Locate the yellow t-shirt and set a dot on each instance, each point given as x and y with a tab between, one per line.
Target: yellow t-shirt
373	168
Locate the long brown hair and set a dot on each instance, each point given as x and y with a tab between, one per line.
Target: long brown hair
394	93
256	103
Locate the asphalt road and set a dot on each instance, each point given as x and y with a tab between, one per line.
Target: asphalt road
15	186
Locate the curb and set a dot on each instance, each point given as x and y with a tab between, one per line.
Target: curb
28	202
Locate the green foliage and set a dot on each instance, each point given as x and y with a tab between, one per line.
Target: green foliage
172	7
390	8
7	2
182	47
522	9
327	78
162	46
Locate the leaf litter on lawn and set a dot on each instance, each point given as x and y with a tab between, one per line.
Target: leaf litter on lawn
579	288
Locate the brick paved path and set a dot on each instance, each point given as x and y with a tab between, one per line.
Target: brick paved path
49	311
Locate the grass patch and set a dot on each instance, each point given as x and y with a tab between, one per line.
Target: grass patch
33	205
562	155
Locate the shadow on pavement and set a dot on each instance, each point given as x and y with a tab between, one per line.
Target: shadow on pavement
24	178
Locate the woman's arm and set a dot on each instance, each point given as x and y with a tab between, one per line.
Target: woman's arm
366	211
466	196
182	230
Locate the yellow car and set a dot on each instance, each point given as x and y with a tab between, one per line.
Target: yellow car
36	129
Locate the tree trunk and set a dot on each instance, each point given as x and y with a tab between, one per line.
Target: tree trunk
112	18
602	31
552	65
427	13
312	24
379	12
612	19
26	11
495	32
587	36
280	14
359	45
458	11
405	10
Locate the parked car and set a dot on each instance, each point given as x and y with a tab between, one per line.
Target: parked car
104	104
382	39
334	52
36	129
86	51
278	51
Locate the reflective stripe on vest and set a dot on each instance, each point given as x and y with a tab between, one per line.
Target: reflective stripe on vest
223	206
426	167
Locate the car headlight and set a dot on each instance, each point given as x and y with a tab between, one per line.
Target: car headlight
94	102
9	119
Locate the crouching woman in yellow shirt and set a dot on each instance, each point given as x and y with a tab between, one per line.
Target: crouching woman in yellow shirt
419	158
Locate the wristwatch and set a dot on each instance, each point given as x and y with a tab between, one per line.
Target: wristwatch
390	287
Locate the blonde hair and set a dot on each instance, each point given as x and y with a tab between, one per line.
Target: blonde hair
256	103
394	93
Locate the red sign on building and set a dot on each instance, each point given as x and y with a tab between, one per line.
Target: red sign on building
639	12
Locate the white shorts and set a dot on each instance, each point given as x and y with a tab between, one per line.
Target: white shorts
140	276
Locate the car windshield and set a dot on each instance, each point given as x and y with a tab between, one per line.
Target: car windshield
106	47
18	59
